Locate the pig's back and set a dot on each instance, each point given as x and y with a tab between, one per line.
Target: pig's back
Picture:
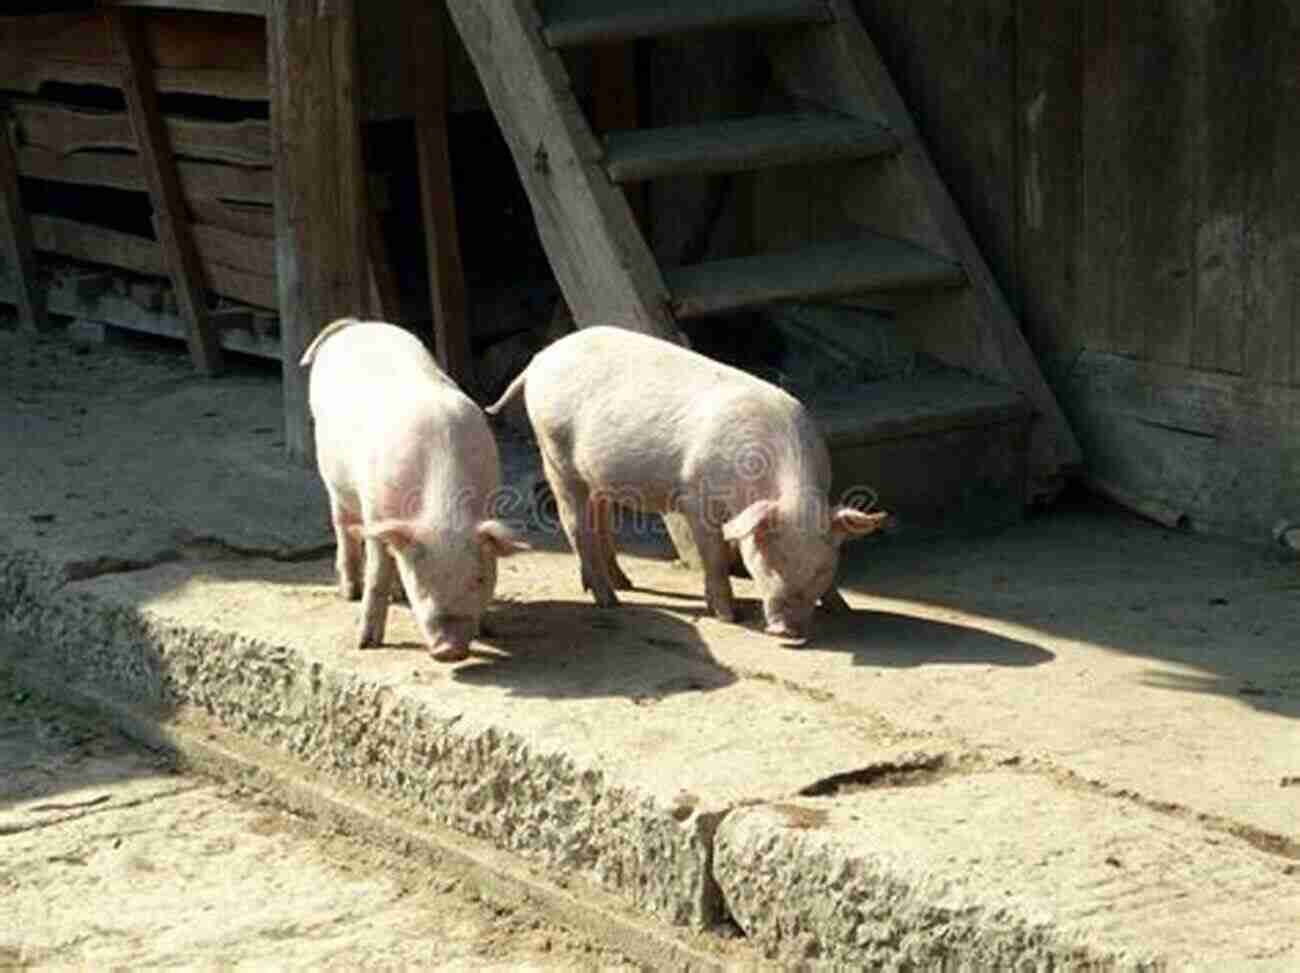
632	409
387	419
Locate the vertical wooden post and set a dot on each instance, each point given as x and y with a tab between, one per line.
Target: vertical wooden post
171	217
385	294
320	189
428	58
17	231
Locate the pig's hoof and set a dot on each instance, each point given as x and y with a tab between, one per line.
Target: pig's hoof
725	613
350	590
606	600
451	653
833	603
620	581
368	641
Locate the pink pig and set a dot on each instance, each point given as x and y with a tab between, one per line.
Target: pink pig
411	467
627	420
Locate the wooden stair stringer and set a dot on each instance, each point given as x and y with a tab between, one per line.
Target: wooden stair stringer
602	263
838	67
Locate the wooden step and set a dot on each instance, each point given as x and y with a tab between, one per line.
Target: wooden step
570	23
743	145
917	406
859	266
939	450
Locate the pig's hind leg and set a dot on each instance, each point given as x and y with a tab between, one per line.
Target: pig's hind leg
349	550
380	569
577	515
606	552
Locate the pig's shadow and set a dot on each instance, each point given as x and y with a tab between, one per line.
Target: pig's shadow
570	649
896	641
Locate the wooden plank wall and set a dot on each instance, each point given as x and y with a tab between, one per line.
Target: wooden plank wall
1131	170
224	166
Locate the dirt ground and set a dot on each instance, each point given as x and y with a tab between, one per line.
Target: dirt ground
109	859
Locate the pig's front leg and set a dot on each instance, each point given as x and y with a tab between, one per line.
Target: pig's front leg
716	558
380	569
349	550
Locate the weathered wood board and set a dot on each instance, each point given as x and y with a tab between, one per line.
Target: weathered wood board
1223	450
1130	170
320	187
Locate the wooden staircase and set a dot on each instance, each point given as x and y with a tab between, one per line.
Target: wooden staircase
842	129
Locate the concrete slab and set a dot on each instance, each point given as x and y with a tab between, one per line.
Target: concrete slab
121	456
605	743
1001	870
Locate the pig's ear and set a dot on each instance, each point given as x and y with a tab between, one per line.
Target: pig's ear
848	523
397	534
500	538
758	518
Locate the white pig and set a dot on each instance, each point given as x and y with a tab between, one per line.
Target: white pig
411	467
627	420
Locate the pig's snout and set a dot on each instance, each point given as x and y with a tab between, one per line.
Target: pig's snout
787	621
450	638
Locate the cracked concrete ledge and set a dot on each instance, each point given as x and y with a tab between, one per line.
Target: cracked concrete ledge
999	870
611	749
626	802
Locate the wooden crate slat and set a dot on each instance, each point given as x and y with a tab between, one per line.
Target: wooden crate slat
29	75
208	180
64	130
239	267
173	39
123	312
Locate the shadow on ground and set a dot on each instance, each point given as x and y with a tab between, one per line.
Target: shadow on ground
898	641
1090	572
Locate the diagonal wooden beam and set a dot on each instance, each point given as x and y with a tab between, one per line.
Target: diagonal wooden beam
428	38
17	232
171	218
